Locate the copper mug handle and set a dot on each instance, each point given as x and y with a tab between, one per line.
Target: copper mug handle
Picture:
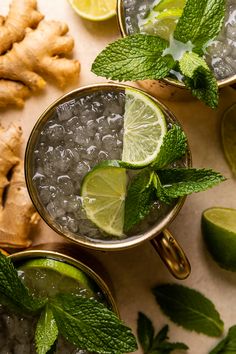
172	254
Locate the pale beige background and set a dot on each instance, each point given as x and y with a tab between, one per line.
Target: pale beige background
136	271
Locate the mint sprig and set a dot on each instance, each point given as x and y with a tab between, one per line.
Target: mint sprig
189	309
84	322
141	56
161	182
155	344
228	344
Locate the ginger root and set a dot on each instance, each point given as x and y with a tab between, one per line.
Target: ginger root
17	213
35	54
22	14
12	92
38	54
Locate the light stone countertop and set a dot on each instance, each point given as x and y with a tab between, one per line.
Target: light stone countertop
134	272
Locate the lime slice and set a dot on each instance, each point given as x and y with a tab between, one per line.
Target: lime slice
169	4
103	193
228	132
144	129
94	10
219	232
163	18
46	277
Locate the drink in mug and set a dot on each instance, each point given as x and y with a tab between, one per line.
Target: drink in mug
47	273
220	54
74	135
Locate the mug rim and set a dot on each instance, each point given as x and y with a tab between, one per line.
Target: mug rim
168	80
82	240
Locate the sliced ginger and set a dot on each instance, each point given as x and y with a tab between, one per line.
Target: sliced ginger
17	213
39	55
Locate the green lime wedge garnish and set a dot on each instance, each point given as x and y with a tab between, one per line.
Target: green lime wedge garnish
103	192
46	277
219	233
228	132
144	129
163	18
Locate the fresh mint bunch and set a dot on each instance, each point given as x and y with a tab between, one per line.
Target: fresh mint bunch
155	344
141	56
160	181
84	322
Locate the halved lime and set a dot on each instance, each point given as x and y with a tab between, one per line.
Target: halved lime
219	233
144	129
94	10
103	192
163	18
46	277
228	132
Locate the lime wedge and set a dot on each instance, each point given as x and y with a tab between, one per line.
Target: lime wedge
94	10
103	193
163	18
219	232
144	129
228	132
46	277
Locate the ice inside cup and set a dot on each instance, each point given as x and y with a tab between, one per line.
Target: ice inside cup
79	131
17	331
220	53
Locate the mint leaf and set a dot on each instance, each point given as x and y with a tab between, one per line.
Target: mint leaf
190	62
174	146
46	331
135	57
189	309
160	191
200	22
184	181
145	332
14	291
228	344
139	198
199	79
89	325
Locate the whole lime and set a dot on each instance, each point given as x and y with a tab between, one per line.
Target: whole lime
219	233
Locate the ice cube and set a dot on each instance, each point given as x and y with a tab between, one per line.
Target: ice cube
81	169
115	121
231	31
108	142
65	184
63	159
72	123
65	110
86	115
55	132
55	210
91	128
72	225
81	137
